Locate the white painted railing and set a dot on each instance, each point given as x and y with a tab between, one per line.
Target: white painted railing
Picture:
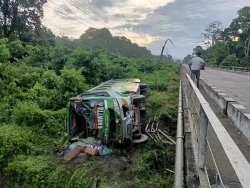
200	117
239	70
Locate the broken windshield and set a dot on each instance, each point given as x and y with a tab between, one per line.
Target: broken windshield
92	110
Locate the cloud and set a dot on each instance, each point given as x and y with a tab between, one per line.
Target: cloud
148	23
183	22
100	4
66	8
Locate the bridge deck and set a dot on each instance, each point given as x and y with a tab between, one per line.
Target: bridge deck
227	84
236	86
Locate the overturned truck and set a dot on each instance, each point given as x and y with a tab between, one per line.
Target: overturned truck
111	112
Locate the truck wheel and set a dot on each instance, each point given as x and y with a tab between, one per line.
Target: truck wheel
142	111
143	86
140	140
138	98
142	91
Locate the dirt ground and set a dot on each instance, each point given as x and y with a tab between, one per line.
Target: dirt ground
120	164
117	166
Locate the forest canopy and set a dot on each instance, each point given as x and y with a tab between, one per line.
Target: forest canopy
226	46
39	72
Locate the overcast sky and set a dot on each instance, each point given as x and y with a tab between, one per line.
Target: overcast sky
146	22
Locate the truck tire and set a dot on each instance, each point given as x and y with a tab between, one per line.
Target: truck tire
138	98
142	111
142	139
143	86
142	91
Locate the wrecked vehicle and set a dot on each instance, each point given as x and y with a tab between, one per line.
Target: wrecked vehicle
110	112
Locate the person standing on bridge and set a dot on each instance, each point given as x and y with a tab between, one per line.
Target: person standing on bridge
195	64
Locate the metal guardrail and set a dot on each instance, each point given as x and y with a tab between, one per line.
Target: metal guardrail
201	116
178	179
240	70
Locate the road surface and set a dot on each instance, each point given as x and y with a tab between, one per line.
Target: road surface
236	86
228	83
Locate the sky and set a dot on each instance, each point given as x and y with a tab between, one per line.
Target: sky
146	22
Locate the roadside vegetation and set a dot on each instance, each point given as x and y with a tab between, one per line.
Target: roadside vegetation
226	46
34	92
39	72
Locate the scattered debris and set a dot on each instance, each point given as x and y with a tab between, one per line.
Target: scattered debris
169	170
167	136
77	146
72	153
89	150
153	133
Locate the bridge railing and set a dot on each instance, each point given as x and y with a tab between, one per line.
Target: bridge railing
240	70
201	117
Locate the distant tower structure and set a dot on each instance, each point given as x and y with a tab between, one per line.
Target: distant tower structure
163	47
166	54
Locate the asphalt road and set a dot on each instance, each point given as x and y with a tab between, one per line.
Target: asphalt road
236	86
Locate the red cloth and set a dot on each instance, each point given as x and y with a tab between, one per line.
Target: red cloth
73	153
202	66
89	150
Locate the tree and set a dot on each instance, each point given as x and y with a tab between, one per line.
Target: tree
244	62
186	59
198	49
241	27
102	38
213	32
236	47
59	57
4	51
44	37
66	41
18	16
93	33
230	60
96	38
219	52
16	49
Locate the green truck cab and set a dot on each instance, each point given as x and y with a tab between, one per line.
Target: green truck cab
110	112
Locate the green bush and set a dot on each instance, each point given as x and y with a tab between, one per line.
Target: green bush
163	87
34	90
28	113
149	170
245	62
13	140
230	60
54	125
28	80
52	100
160	80
6	109
30	171
72	81
152	159
50	80
4	51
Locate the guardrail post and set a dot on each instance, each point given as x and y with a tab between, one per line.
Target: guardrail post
202	139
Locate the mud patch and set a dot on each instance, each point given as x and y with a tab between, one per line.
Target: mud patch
167	124
115	168
134	165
